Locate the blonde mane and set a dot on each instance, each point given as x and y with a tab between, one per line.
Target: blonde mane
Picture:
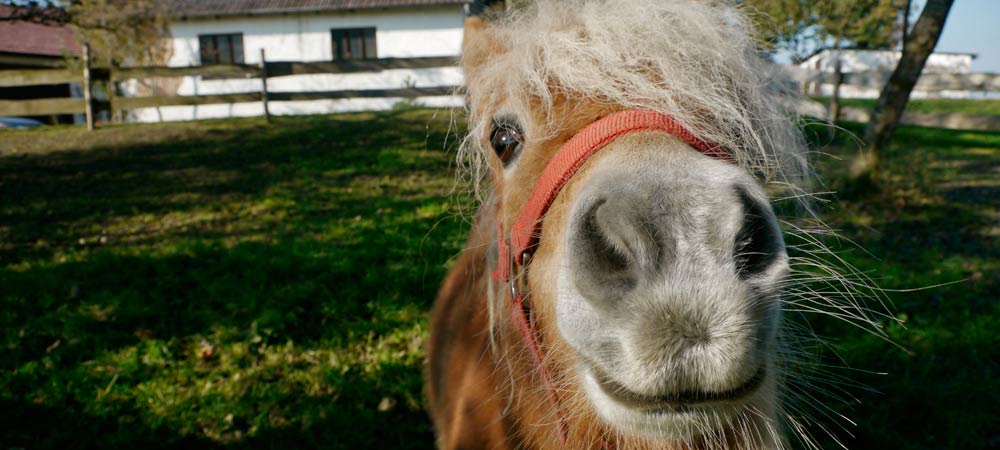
719	89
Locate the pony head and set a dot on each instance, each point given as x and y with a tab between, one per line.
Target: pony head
655	286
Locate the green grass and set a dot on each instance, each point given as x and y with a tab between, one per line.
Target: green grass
230	284
222	282
983	107
936	220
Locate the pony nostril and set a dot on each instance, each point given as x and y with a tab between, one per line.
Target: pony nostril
610	246
626	229
604	242
758	243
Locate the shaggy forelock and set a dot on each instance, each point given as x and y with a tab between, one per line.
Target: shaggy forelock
692	60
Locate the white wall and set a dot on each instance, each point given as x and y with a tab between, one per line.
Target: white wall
399	33
885	60
869	60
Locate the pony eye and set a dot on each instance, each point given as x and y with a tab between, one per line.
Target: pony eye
506	140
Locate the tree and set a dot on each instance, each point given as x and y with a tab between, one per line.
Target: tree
119	32
42	13
905	26
804	26
864	24
126	32
895	94
783	24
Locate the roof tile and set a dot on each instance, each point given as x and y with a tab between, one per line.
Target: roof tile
203	8
35	39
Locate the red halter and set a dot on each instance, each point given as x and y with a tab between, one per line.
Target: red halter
515	251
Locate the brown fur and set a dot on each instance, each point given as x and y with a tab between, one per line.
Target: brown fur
461	389
490	396
472	402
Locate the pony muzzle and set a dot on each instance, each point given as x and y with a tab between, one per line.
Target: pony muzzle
658	293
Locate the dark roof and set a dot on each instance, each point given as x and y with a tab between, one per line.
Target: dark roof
30	38
210	8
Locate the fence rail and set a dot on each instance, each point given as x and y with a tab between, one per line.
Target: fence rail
210	70
42	106
946	120
365	93
928	82
932	82
126	103
265	71
32	77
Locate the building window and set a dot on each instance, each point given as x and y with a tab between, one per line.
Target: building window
354	43
221	48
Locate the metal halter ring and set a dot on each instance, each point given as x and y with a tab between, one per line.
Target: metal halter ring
517	279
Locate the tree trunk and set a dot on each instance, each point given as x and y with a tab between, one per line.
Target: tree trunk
906	23
839	72
892	101
835	98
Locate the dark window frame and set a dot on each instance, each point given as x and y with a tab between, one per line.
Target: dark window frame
210	48
351	44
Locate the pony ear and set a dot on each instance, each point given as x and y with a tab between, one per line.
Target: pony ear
477	46
474	26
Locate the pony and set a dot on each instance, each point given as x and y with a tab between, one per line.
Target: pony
626	276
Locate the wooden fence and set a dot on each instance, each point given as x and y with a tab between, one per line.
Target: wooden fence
972	82
933	83
928	82
88	76
946	120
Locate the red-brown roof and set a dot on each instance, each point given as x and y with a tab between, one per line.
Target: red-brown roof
208	8
34	39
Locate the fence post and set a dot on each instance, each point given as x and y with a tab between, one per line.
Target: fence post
87	98
263	86
835	97
112	94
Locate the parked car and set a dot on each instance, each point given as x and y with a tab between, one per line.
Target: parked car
17	122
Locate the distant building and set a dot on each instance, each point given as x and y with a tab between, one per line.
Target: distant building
33	45
27	45
234	31
854	61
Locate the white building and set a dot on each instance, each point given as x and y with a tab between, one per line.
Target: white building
855	61
234	31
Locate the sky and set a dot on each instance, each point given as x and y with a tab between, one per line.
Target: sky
973	26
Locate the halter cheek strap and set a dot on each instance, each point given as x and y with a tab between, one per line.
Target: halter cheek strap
516	249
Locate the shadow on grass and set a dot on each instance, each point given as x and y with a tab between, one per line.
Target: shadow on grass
28	425
226	284
58	193
933	222
229	285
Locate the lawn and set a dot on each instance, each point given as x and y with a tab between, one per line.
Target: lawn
223	282
943	105
935	221
234	284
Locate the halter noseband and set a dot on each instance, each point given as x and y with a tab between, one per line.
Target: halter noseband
515	251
